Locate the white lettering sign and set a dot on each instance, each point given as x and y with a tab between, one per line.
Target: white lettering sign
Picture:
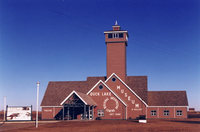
117	114
129	98
94	94
118	87
125	94
122	91
48	110
108	109
106	94
104	103
138	109
136	105
100	94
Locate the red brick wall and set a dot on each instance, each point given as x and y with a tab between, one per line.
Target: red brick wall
135	107
113	107
172	112
50	112
116	59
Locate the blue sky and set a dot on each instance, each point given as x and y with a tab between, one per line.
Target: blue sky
63	40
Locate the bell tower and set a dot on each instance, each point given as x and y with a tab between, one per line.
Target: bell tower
116	42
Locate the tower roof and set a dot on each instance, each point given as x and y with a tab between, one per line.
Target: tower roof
116	23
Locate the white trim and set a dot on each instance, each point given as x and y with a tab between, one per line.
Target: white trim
126	86
116	26
115	32
69	96
174	113
50	106
179	113
146	112
126	112
167	106
53	111
94	86
100	81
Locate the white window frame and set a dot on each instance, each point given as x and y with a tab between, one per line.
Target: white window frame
179	112
100	113
166	112
153	112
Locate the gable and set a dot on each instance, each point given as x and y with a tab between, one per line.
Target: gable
97	87
116	86
71	96
83	97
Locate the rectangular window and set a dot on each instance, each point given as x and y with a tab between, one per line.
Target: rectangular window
179	113
166	112
100	113
153	112
121	35
110	35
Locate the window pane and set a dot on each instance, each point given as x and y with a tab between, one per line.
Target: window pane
100	113
110	35
179	112
153	112
121	35
166	112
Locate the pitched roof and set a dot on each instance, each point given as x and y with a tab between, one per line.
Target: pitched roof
167	98
139	85
87	98
57	91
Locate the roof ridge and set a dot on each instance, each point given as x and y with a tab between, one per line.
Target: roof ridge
170	91
138	76
67	81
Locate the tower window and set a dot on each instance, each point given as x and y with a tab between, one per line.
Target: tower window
121	35
110	35
100	87
116	35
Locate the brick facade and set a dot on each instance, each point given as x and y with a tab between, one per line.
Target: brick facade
116	96
50	112
172	112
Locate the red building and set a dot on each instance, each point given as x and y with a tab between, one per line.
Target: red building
115	96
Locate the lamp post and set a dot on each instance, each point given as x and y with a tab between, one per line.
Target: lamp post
38	85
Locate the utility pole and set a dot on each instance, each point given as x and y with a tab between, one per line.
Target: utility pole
38	85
